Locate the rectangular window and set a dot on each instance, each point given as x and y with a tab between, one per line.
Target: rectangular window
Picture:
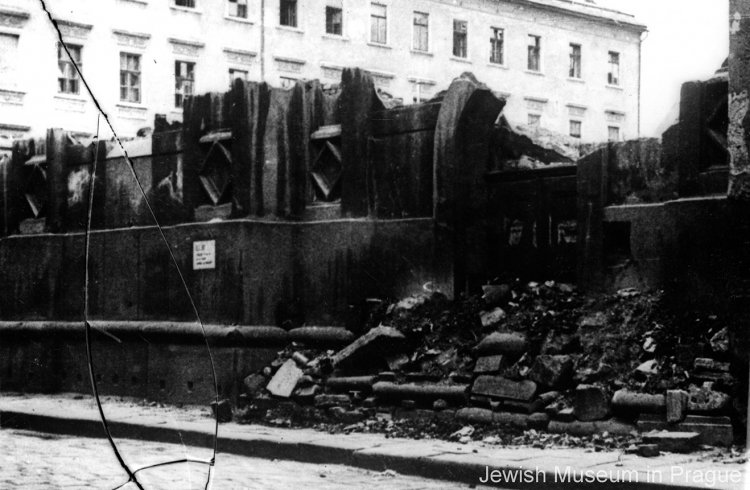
575	129
378	23
238	8
8	59
613	133
421	32
67	79
613	75
496	46
460	30
130	78
534	53
575	61
235	74
534	120
334	19
288	13
184	81
185	3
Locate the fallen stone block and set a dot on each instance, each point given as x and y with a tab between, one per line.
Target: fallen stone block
632	402
591	403
673	442
511	344
379	343
321	336
285	380
488	364
705	400
222	410
387	376
519	420
346	416
503	388
538	421
552	371
548	397
254	384
439	404
648	368
307	393
714	431
676	404
490	318
494	295
648	450
710	365
423	392
579	428
473	415
350	383
397	361
419	415
720	341
328	400
558	344
566	415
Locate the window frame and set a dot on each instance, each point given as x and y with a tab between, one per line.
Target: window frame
537	120
417	28
129	86
536	51
456	47
612	80
63	59
340	10
610	128
575	56
190	4
232	70
384	26
181	82
292	13
493	45
579	124
237	5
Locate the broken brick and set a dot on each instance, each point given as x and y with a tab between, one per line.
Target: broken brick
500	387
552	371
326	401
591	403
379	343
720	341
285	380
706	400
488	364
513	344
490	318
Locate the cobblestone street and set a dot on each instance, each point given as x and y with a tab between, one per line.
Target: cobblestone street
32	460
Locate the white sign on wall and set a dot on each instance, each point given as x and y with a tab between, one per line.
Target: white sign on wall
204	255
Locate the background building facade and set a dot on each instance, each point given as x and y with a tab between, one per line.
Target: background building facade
570	67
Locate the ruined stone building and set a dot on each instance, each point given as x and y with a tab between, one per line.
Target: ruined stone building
572	67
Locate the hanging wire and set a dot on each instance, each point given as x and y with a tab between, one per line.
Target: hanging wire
101	114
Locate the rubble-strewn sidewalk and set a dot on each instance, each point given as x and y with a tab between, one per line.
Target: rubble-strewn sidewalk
472	463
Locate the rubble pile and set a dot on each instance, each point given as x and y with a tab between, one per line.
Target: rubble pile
532	363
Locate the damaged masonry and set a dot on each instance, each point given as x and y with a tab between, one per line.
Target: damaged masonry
430	271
